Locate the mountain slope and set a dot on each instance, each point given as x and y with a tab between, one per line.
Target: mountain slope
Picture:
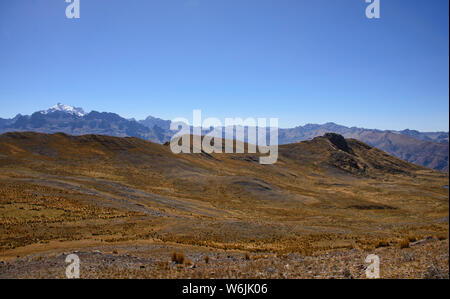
219	178
65	108
428	153
429	149
323	195
151	122
53	121
441	137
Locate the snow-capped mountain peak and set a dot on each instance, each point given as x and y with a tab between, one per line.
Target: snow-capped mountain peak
65	108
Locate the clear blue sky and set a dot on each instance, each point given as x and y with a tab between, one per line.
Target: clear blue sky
303	61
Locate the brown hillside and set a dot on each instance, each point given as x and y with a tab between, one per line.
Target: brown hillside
325	194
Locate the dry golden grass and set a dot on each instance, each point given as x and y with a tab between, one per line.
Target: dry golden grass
178	257
115	190
404	243
382	243
188	262
442	236
412	239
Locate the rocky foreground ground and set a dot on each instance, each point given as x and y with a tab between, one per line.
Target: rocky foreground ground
427	258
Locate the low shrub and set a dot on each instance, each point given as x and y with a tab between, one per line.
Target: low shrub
178	257
404	243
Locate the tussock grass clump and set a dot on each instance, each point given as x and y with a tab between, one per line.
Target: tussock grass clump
412	239
178	257
188	262
442	237
404	243
165	265
381	243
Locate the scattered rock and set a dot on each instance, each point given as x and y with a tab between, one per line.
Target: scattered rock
348	274
408	257
433	272
338	141
271	270
423	241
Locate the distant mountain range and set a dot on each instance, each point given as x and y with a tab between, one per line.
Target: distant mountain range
430	149
74	121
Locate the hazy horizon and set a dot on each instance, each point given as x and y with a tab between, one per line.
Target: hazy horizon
189	117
